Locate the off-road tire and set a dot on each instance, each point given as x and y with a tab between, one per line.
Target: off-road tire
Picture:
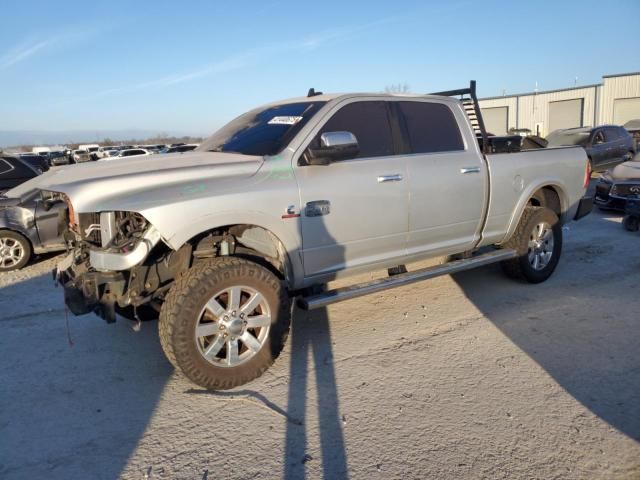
180	312
26	247
519	268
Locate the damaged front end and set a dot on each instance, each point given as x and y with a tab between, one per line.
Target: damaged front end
118	262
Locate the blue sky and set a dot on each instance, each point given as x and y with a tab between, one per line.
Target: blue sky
190	66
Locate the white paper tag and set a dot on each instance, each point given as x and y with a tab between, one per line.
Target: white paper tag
284	120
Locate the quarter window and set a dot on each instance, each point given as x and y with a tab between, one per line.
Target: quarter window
431	127
369	122
5	166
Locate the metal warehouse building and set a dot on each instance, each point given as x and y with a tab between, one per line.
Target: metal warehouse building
614	101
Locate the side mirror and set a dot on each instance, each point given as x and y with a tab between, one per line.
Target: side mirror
334	146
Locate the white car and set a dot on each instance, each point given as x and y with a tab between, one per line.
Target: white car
131	152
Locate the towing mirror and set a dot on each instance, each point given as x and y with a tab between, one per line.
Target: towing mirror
334	146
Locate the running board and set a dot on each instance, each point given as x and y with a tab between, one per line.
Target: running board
353	291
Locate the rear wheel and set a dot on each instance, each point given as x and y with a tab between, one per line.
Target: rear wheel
225	322
15	251
538	242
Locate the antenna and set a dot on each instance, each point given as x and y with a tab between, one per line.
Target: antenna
312	92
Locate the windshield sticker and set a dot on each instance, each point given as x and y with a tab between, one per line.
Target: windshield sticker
284	120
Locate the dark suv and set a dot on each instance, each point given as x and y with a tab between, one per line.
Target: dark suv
14	171
606	146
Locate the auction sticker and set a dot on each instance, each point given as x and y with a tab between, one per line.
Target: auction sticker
284	120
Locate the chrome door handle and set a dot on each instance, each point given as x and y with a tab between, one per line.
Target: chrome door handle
390	178
470	170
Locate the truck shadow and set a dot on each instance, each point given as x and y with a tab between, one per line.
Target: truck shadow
75	402
583	333
311	347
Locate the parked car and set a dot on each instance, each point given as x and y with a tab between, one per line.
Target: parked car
14	171
30	226
132	152
81	156
58	158
296	193
179	149
606	146
39	162
619	185
154	148
633	127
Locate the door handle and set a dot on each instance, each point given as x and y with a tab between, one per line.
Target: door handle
470	170
390	178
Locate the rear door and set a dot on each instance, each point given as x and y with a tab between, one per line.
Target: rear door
614	145
447	179
354	212
599	150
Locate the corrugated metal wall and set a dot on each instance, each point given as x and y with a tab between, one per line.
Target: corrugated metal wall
531	110
615	88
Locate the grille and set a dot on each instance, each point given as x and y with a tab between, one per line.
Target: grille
627	189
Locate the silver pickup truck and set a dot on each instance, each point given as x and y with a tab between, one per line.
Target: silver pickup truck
294	194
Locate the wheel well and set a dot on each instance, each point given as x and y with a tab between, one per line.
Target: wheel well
547	197
251	242
18	233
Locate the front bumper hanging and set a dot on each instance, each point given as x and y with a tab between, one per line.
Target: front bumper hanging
86	292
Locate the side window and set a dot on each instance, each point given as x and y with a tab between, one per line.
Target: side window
431	127
598	138
369	122
5	167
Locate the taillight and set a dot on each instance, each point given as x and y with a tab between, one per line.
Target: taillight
71	213
587	175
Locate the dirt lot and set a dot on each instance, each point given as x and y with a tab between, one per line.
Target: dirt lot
473	376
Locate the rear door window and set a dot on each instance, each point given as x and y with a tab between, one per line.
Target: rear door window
369	122
431	127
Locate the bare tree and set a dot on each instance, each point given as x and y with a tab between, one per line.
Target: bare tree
397	88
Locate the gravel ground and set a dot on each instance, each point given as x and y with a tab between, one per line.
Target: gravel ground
471	376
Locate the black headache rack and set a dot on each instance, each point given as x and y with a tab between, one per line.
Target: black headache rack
472	108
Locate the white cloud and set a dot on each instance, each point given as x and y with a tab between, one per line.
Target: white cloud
27	49
33	45
243	59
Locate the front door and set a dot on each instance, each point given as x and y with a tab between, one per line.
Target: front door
354	212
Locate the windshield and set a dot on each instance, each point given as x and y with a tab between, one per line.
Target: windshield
560	138
265	131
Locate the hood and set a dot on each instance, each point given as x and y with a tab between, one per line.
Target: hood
625	171
122	183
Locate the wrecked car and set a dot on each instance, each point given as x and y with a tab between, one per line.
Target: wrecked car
31	226
619	185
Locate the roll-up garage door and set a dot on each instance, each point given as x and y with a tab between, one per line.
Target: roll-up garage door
565	114
496	120
625	109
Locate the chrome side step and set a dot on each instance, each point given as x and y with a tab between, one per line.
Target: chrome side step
353	291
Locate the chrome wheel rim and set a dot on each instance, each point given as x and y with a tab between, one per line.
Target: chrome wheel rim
233	326
11	252
540	249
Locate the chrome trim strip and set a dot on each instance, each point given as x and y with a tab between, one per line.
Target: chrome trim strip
354	291
390	178
111	261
